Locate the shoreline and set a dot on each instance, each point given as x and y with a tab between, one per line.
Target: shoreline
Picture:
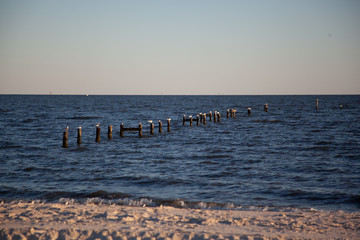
90	221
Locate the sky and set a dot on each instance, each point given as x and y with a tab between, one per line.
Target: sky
180	47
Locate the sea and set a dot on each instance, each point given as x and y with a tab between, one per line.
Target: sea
293	156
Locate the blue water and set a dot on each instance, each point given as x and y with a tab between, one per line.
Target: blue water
289	157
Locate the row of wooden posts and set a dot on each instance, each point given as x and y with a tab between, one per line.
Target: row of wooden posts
200	118
110	130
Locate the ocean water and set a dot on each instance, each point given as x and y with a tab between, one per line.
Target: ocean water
291	157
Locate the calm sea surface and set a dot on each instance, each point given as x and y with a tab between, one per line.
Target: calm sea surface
289	157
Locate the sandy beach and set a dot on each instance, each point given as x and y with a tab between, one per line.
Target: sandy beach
89	221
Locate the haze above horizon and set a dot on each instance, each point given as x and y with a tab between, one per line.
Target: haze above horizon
180	47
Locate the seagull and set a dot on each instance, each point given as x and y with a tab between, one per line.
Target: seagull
67	128
150	121
190	116
79	127
169	119
97	125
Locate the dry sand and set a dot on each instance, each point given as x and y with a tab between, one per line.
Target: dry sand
89	221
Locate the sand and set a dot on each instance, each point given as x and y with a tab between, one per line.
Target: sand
90	221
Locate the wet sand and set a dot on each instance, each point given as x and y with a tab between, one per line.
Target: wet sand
89	221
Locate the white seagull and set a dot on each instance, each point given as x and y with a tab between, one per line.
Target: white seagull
150	121
67	128
169	119
97	125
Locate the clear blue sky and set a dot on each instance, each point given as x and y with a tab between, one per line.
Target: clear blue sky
180	47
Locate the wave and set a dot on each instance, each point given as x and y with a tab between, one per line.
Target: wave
119	198
150	202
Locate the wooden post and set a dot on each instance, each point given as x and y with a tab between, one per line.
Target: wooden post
151	128
65	139
204	119
97	139
140	129
249	111
317	104
234	113
210	116
227	113
215	117
168	124
191	120
184	119
110	132
122	130
160	126
266	107
197	120
219	115
79	135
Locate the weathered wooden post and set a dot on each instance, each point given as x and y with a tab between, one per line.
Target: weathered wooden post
210	113
249	111
317	104
215	117
151	128
97	139
234	113
79	135
204	119
160	126
227	113
168	124
140	129
197	120
65	139
219	115
266	107
191	120
110	132
122	130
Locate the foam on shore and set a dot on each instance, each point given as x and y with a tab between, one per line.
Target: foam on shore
89	221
